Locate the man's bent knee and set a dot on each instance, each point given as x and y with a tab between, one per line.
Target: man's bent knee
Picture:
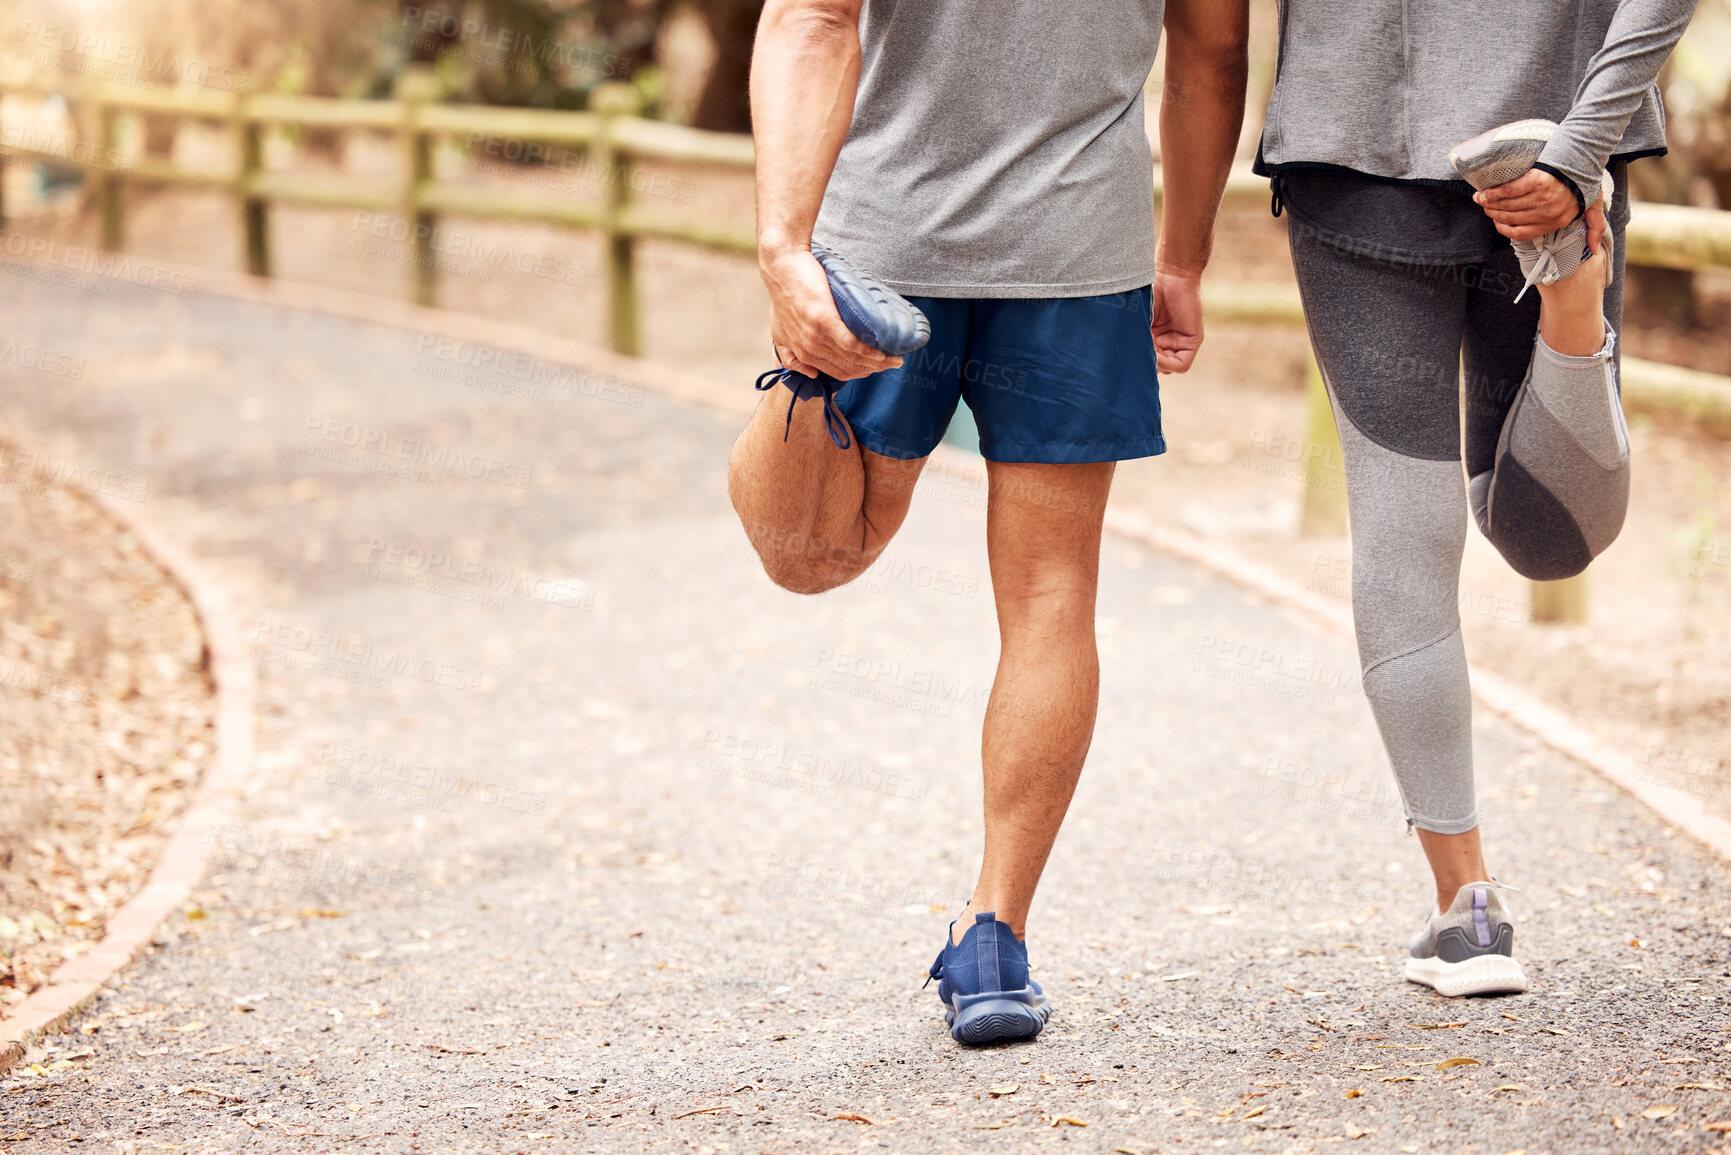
803	564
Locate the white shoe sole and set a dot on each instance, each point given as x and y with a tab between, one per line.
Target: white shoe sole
1487	974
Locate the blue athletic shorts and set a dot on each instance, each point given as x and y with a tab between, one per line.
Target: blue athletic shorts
1057	380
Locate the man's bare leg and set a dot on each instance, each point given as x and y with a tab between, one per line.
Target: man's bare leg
1043	538
818	515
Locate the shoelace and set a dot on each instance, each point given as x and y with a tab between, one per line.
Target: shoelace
832	416
1545	265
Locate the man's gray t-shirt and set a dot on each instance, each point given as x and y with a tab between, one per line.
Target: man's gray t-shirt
998	149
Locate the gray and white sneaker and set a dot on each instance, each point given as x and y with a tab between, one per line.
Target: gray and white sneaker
1498	157
1468	949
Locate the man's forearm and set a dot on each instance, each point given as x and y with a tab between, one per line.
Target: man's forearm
1201	113
804	75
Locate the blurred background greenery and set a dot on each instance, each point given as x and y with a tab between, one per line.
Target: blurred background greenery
687	58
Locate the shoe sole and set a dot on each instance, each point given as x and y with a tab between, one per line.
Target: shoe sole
1502	154
872	311
996	1017
1488	974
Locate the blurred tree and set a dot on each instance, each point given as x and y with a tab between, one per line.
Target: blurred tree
724	105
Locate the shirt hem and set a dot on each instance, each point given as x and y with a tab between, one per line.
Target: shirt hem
1038	291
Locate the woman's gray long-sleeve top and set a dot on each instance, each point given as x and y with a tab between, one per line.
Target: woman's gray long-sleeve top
1387	87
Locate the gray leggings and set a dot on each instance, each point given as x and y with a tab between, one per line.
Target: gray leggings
1420	356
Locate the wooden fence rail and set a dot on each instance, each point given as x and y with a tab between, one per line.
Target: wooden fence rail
613	138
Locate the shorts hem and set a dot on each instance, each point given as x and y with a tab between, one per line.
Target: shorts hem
883	446
1084	453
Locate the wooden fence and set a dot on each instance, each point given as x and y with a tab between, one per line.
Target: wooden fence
613	138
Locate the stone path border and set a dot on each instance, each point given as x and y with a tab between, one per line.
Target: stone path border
77	981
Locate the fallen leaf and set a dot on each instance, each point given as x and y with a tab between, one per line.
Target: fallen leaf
1557	1030
1722	1125
998	1126
189	1028
1401	1079
1362	1038
1700	1087
1367	1066
1508	1087
1617	1122
1354	1093
1074	1122
444	1050
222	1050
1511	1018
1184	975
1659	1111
855	1117
1354	1131
1004	1089
317	912
1252	1113
1458	1061
707	1110
1436	1026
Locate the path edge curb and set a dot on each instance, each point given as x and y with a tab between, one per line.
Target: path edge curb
77	981
1550	725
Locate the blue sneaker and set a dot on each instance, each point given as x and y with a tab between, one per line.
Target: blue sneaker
873	312
984	985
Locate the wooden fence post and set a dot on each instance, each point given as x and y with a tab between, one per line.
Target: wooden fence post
1560	602
1324	511
254	210
417	86
111	197
613	101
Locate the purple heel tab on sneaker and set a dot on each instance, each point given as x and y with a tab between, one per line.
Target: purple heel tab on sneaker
1481	923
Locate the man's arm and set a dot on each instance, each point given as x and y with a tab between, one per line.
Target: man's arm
804	74
1201	112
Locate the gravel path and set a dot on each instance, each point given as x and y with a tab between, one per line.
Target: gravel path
569	832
